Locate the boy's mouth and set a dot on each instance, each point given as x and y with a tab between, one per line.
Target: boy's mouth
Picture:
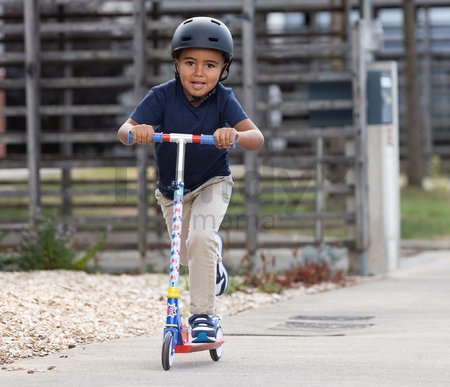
198	85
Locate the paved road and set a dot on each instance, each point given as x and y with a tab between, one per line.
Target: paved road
393	331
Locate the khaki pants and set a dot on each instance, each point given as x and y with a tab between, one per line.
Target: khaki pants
203	212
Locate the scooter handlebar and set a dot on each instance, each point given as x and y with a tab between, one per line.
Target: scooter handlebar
205	139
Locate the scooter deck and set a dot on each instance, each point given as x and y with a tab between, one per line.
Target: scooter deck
195	347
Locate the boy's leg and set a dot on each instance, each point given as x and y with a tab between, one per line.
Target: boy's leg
209	205
200	227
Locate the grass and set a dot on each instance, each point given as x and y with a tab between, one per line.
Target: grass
425	214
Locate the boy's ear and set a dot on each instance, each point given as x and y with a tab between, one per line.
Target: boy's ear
175	65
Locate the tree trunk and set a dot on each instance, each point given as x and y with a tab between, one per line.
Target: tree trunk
412	117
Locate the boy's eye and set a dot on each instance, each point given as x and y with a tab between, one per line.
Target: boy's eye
211	66
190	62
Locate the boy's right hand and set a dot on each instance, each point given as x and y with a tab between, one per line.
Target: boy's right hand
142	134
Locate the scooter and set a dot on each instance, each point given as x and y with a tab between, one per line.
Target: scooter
176	336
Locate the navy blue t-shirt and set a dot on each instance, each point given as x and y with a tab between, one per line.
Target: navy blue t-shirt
167	109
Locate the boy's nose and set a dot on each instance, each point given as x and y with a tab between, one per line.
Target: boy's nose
199	70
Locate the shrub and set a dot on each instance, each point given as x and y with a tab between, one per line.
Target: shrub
49	244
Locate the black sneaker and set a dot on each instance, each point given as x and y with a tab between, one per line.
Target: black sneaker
221	273
203	329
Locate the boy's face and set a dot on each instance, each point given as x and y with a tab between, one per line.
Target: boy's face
199	70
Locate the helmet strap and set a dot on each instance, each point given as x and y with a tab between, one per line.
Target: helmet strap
205	97
225	71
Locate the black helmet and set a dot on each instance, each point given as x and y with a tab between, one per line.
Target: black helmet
203	32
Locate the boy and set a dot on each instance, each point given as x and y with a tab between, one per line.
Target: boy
196	102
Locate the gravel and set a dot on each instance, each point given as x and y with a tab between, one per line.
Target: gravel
43	312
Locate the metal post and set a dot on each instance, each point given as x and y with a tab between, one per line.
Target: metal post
140	63
250	158
32	74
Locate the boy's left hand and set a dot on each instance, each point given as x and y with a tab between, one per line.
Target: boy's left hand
225	137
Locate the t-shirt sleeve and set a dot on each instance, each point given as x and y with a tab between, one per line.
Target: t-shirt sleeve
149	110
234	112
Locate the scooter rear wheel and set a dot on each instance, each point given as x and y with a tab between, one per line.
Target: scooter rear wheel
167	353
216	353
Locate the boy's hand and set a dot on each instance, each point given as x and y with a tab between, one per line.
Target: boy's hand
225	137
142	134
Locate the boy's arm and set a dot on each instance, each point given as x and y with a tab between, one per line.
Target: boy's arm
249	136
142	134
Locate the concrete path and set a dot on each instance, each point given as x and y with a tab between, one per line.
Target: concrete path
393	331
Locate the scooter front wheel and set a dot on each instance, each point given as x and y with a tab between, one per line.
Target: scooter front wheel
168	351
216	353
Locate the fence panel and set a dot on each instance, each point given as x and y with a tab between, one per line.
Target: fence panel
95	64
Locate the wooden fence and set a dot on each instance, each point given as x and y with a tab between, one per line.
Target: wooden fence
75	74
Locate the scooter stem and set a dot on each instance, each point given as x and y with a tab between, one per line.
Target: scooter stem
178	193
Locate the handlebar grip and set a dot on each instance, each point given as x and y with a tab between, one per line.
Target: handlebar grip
157	137
207	139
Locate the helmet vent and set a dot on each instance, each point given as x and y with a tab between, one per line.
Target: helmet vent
186	38
213	39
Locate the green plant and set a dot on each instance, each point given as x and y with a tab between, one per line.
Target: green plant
49	244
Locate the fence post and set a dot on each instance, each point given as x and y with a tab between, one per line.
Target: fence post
32	75
426	82
360	122
320	197
140	64
250	158
67	125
